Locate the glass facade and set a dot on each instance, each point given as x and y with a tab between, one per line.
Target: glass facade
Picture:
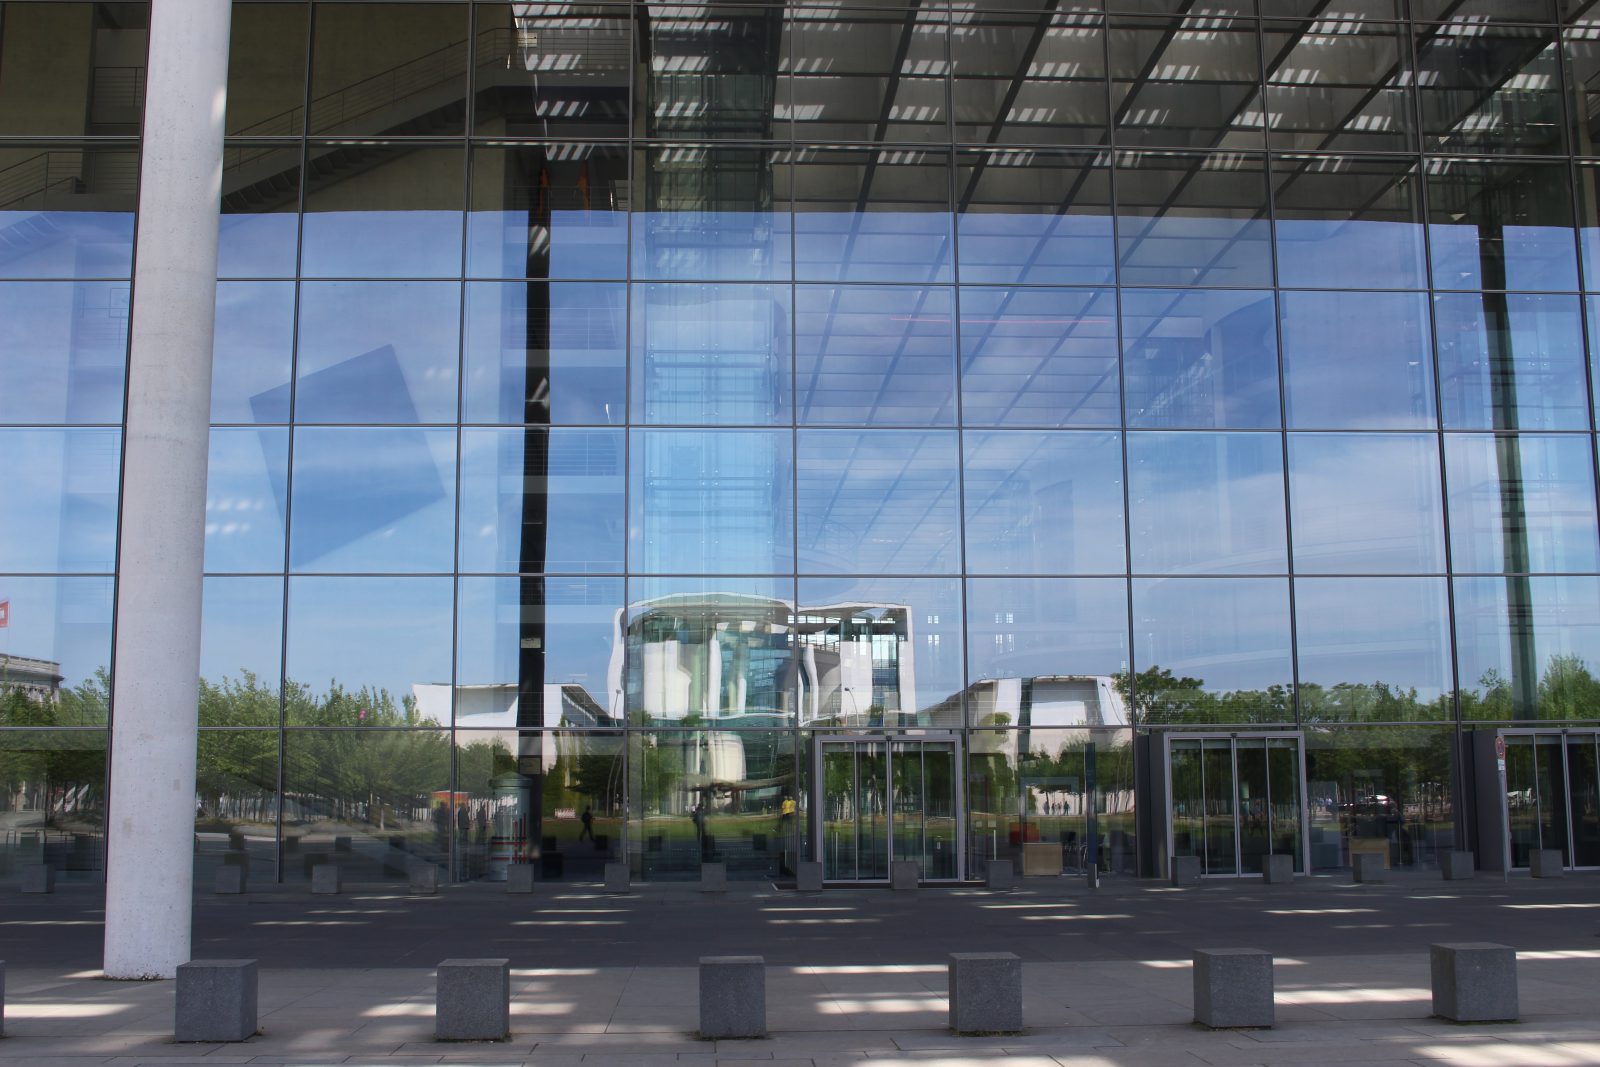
781	432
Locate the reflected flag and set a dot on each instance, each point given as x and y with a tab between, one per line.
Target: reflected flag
583	184
5	614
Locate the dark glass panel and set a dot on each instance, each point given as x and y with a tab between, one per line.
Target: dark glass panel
538	652
878	502
67	212
1581	44
61	489
872	215
1511	361
1373	649
56	787
862	75
1366	503
1044	503
1521	503
259	230
1381	790
241	651
1173	7
1339	86
267	70
391	71
1211	650
252	351
1501	225
548	211
542	500
712	354
1586	179
1039	357
875	356
246	473
382	211
1206	503
1186	83
57	653
1487	88
540	353
1351	10
1476	12
1357	361
1348	223
67	69
373	499
880	652
551	70
719	212
1528	648
1035	218
368	652
1200	359
712	71
376	352
63	351
1029	78
1192	220
711	501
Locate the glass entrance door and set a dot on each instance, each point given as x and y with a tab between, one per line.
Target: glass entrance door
1235	799
1553	796
888	799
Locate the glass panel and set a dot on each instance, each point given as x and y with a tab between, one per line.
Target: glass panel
872	798
241	650
246	475
542	500
373	499
1044	503
875	356
1192	220
1036	78
909	798
867	75
67	212
1255	803
551	70
1204	503
878	502
875	216
252	351
267	70
537	353
1527	648
369	652
393	211
259	229
1373	649
1217	803
880	652
1200	359
1339	85
236	803
61	490
1582	47
1583	793
1283	781
841	813
55	783
713	71
711	501
1157	97
1359	361
63	351
1550	774
1039	357
1035	218
55	653
1477	11
712	354
381	71
1522	798
1521	503
1501	225
371	802
1381	790
940	810
1210	650
1347	222
556	211
1509	362
718	212
1186	785
73	69
1485	88
1366	503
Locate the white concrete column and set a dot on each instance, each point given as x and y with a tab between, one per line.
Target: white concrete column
150	835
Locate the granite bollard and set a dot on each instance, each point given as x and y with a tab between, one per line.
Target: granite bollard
808	876
1546	863
1000	875
230	880
985	992
733	996
1233	988
423	878
904	875
325	879
1277	869
1185	870
519	878
2	998
616	878
472	1000
216	1001
1369	868
1458	866
713	878
38	878
1474	981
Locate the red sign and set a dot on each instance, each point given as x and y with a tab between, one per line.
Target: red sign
5	613
1499	748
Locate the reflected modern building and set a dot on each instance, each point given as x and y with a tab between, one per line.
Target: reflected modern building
848	431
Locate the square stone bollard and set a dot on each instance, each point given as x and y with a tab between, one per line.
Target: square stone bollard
713	878
1546	863
519	878
1233	988
1458	866
616	878
904	875
325	879
472	1001
1000	875
808	876
1474	982
985	992
423	878
230	880
733	996
38	878
1369	867
216	1001
341	844
1185	870
2	998
1277	869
